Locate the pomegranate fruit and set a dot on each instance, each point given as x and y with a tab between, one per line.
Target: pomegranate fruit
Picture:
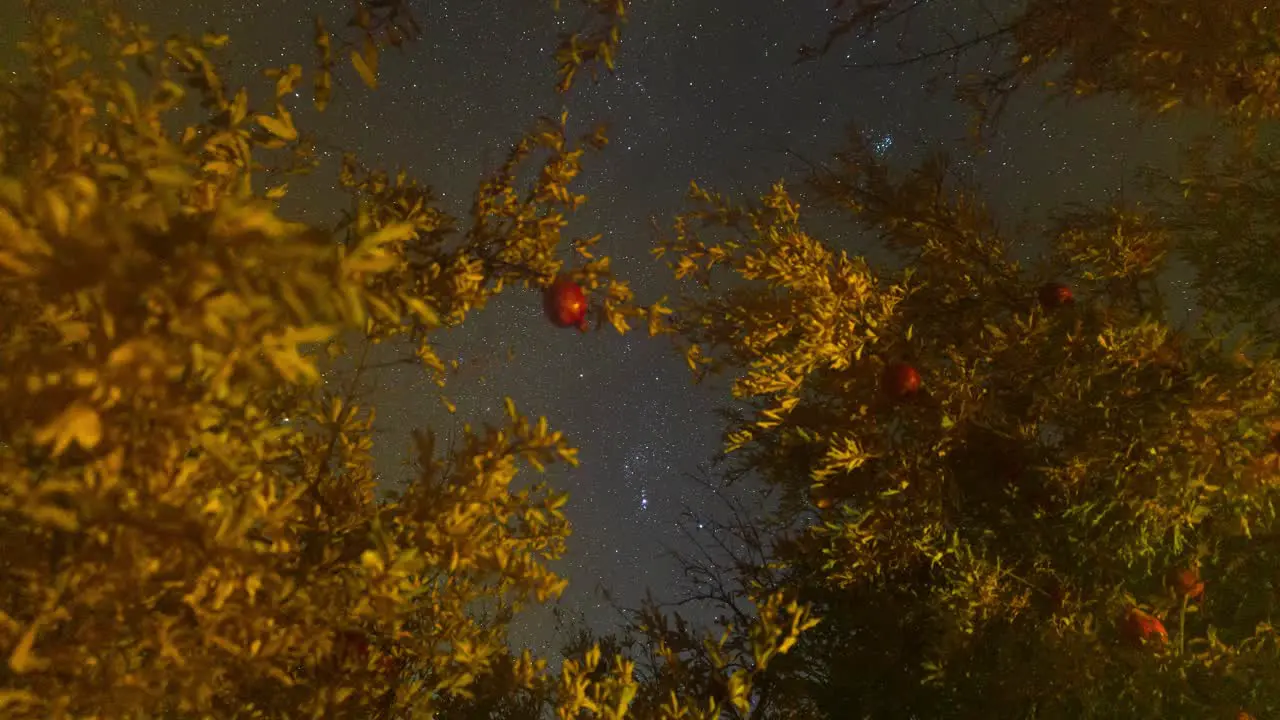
1143	628
900	381
1187	583
566	304
1054	295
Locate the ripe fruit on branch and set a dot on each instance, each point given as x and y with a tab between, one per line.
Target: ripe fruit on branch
1143	628
1186	583
566	304
900	381
821	496
1054	295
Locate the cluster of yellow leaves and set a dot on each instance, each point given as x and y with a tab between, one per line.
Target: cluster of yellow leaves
387	22
1072	448
793	308
704	677
196	509
1118	244
596	41
419	280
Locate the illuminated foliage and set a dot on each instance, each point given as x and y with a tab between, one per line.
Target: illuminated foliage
187	507
983	549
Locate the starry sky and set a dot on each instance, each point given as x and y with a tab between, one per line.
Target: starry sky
704	91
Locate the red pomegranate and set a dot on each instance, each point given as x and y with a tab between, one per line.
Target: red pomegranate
1054	295
900	381
1187	583
566	304
821	496
1143	628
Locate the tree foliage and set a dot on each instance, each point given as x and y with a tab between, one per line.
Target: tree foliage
1074	516
1162	55
188	508
1222	216
979	547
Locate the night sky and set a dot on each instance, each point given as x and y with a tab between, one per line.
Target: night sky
704	91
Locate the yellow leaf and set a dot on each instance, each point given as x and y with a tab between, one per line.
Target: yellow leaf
322	39
370	254
381	309
367	74
282	128
288	80
15	265
214	41
291	366
55	516
239	107
78	423
277	192
169	175
423	311
219	167
21	660
58	212
15	699
323	89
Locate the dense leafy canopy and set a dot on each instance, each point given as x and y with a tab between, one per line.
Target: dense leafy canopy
991	504
189	512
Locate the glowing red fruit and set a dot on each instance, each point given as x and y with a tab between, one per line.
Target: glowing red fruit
566	304
1054	295
821	496
1143	628
1187	583
900	381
